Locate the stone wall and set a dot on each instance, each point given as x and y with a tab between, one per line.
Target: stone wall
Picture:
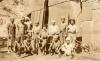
91	27
96	24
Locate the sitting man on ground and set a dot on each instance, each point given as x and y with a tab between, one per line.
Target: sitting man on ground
27	45
43	40
67	48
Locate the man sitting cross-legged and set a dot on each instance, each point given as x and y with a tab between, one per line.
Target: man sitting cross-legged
67	48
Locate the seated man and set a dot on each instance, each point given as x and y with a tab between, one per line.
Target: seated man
67	47
11	28
27	45
55	46
53	32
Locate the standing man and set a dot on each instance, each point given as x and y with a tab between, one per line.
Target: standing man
72	31
62	30
36	35
11	32
21	31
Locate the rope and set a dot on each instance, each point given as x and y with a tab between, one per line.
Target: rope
50	6
58	4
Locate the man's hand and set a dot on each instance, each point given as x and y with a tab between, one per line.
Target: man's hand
74	32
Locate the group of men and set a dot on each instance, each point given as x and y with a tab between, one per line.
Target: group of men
26	37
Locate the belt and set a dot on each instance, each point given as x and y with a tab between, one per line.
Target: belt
44	37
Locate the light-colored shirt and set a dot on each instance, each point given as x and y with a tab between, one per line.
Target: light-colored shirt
63	27
53	30
36	32
72	29
36	29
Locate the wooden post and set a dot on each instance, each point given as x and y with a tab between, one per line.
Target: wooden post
45	14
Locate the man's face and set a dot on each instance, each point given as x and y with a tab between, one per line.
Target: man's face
12	20
68	42
63	20
53	23
36	24
22	21
44	28
27	20
23	18
72	22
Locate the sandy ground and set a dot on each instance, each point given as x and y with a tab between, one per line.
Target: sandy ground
93	56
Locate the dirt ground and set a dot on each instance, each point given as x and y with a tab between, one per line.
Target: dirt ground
93	56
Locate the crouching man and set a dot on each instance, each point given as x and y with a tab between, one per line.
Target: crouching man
67	48
43	40
27	45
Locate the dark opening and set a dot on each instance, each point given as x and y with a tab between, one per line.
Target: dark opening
1	0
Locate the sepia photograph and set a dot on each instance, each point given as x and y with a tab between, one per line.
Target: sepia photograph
49	30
